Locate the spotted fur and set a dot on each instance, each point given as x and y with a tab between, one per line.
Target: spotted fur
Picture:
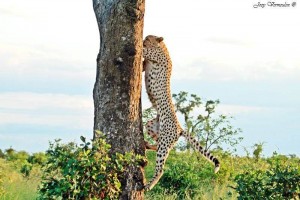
165	128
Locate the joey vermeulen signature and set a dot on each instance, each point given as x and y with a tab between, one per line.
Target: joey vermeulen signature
274	4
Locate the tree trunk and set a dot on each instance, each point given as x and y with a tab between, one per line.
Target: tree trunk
117	90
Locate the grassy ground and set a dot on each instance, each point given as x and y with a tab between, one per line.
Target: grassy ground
15	185
181	169
204	193
18	187
208	190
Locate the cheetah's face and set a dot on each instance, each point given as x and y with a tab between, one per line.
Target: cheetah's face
151	46
152	41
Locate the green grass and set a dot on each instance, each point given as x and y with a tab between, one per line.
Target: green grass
18	187
15	185
208	185
203	193
208	189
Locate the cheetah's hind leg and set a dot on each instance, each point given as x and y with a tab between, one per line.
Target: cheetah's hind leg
161	157
152	127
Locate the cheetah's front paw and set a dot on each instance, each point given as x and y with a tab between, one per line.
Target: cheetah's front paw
147	187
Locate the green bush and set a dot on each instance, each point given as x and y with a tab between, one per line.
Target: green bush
26	169
278	182
83	172
184	174
39	158
13	155
2	154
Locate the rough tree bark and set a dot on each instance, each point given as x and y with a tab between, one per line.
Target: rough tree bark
117	90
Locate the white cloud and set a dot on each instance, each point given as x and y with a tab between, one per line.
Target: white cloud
227	40
57	38
221	70
207	40
56	42
74	111
233	110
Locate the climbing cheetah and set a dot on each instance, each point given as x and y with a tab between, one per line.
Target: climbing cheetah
165	128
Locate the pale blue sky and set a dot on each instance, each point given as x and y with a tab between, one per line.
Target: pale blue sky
228	50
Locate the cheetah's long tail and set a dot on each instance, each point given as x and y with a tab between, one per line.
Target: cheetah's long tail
199	148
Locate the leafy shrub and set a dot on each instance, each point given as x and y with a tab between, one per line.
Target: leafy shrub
38	158
10	153
83	172
26	169
13	155
184	174
279	182
258	149
2	155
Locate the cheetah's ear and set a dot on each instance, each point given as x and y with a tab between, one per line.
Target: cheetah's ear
159	39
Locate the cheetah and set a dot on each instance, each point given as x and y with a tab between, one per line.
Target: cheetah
165	128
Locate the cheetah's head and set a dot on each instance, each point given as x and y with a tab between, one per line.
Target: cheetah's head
153	48
152	41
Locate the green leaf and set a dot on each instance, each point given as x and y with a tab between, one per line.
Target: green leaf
82	139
